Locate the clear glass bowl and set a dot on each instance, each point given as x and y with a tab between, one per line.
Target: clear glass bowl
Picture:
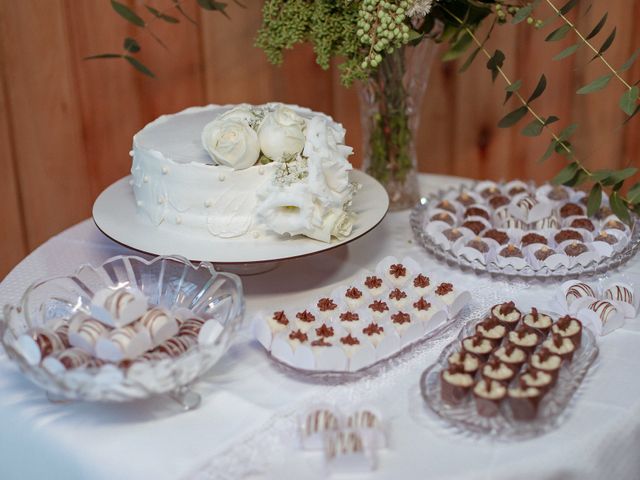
169	282
418	221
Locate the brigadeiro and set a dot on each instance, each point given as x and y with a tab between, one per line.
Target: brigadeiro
525	338
511	251
575	248
558	193
478	345
531	238
570	328
571	210
537	378
538	321
545	361
604	212
465	199
524	401
475	226
447	205
498	201
614	224
582	222
606	237
507	314
489	192
564	235
496	370
476	212
443	217
543	253
455	384
452	234
469	362
488	395
497	235
492	329
478	244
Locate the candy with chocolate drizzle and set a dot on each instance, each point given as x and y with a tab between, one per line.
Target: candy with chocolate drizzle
373	329
324	331
298	335
349	340
373	282
281	318
306	316
353	292
444	288
421	304
326	304
397	270
397	294
379	306
349	317
400	318
421	281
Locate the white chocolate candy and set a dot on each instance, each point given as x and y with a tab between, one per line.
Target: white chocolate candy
160	325
118	308
619	293
346	452
67	360
85	335
123	343
577	290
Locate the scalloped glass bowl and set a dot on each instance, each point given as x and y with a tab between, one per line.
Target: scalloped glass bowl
418	219
168	281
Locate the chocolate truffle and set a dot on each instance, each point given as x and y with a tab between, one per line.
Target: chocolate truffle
475	226
558	193
575	248
531	238
443	217
604	212
614	224
476	212
478	245
511	251
455	384
497	235
498	201
452	234
489	192
516	189
570	328
447	205
543	253
571	210
582	222
564	235
606	238
488	395
465	199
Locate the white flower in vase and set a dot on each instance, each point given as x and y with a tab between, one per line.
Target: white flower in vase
282	134
231	142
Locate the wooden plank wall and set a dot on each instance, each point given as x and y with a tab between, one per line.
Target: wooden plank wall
66	124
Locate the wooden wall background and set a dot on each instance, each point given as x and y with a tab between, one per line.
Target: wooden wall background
66	124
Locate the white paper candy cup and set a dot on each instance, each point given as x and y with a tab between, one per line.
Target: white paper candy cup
282	350
261	330
363	357
349	452
461	299
623	297
118	312
314	424
573	290
602	317
331	359
389	344
210	332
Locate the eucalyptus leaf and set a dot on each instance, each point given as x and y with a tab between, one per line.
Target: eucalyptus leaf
558	34
533	129
568	131
495	63
212	5
578	179
619	207
540	87
131	45
162	16
629	99
629	63
176	4
633	195
139	66
635	112
128	14
567	52
594	200
548	152
467	63
598	84
513	117
568	6
566	174
511	89
523	13
103	55
606	44
621	175
458	48
564	147
601	175
598	27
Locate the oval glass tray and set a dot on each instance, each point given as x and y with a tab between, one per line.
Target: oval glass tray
552	409
418	220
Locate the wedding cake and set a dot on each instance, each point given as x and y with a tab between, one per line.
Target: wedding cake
245	170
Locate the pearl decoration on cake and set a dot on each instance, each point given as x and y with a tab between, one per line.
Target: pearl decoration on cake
160	200
131	182
165	170
207	203
139	203
255	234
145	179
221	177
178	219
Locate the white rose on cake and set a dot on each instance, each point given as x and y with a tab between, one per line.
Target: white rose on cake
231	142
282	133
243	112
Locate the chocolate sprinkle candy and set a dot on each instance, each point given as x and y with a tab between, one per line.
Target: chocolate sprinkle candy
476	212
478	245
497	235
531	238
583	223
575	249
372	329
447	205
475	226
570	210
543	253
564	235
511	251
498	201
606	238
443	217
452	234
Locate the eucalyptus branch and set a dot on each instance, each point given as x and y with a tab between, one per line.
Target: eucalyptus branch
588	44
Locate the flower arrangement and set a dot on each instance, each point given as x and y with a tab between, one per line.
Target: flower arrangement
378	43
309	192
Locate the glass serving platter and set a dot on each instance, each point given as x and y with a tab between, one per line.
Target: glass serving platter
418	220
169	282
552	409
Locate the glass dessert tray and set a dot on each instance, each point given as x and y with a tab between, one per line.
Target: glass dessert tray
451	253
551	411
115	214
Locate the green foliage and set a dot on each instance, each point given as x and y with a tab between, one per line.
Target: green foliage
128	14
597	84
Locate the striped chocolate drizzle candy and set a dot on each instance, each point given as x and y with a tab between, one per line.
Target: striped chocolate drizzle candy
122	336
47	341
362	419
344	443
73	358
619	293
320	421
191	327
117	301
91	329
603	309
154	320
176	346
579	290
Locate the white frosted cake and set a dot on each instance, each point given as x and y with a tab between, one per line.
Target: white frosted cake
245	170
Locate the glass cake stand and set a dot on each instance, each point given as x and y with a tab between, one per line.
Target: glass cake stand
115	214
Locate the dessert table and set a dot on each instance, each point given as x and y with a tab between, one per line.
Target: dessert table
246	424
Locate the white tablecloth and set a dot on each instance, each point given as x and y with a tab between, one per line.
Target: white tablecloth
245	426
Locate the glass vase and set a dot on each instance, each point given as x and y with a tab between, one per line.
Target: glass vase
390	101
